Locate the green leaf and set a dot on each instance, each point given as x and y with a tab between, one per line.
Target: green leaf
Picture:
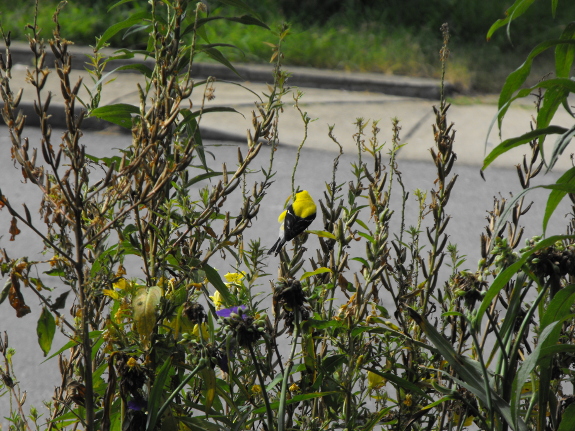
155	398
294	399
524	372
46	329
220	58
244	19
135	18
557	194
515	11
511	143
144	307
321	270
504	276
5	290
405	384
209	380
121	2
564	54
517	78
120	114
323	233
470	372
199	424
567	419
142	68
553	98
320	324
560	306
214	278
560	146
71	344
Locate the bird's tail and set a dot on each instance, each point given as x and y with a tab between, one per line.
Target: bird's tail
277	246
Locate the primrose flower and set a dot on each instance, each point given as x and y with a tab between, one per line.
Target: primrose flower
201	331
234	277
375	381
217	300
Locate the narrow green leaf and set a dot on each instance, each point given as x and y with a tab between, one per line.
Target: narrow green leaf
221	58
560	306
199	424
71	344
121	2
209	380
135	18
557	195
120	114
321	270
469	371
405	384
511	143
552	99
214	278
567	419
517	78
564	54
142	68
45	330
5	290
515	11
155	398
295	399
322	233
504	276
524	372
559	147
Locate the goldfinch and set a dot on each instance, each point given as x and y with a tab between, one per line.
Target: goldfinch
295	219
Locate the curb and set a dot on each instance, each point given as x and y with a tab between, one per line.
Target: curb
424	88
300	76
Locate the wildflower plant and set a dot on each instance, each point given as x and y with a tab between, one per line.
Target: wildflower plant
177	345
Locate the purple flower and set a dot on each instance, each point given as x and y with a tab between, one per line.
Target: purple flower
227	312
137	404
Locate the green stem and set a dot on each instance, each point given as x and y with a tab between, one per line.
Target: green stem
264	392
282	406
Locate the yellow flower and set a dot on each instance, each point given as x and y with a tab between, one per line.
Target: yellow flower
256	389
217	300
204	334
121	284
235	277
408	401
294	388
375	381
132	362
468	420
111	293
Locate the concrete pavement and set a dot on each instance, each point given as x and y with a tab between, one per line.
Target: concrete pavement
330	98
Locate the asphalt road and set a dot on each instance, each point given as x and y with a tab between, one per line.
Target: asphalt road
471	199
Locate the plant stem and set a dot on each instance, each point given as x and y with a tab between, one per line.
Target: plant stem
282	406
263	386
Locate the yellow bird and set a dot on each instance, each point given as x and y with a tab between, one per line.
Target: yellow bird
295	219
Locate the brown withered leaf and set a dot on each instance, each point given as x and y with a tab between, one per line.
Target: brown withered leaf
16	299
13	229
2	201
